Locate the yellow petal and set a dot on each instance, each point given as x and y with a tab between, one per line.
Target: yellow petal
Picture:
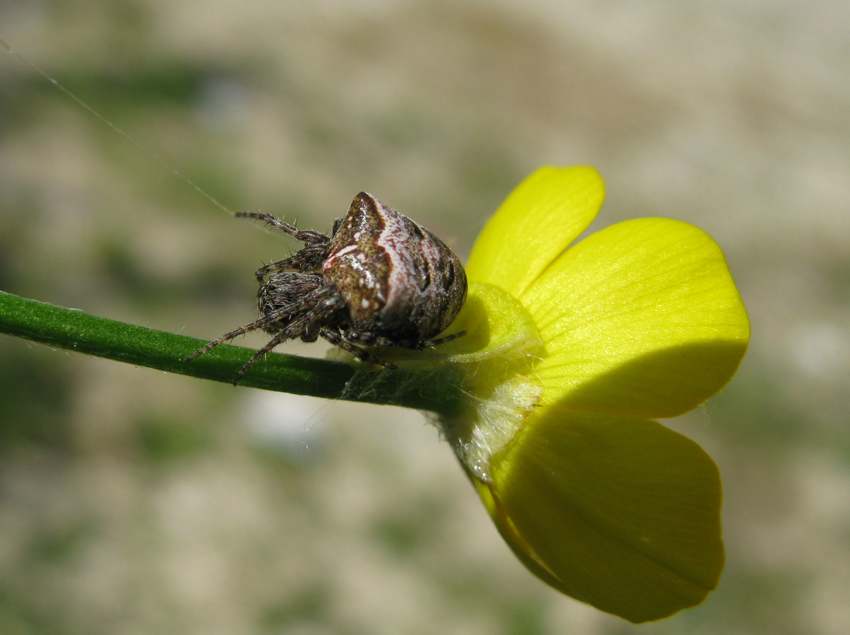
541	217
623	514
641	319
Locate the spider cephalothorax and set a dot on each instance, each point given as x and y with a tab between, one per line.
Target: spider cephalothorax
379	280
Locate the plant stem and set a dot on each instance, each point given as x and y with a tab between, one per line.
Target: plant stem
101	337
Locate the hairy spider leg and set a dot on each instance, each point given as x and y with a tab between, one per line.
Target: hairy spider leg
279	338
349	343
298	325
370	339
337	339
443	340
306	260
306	236
253	326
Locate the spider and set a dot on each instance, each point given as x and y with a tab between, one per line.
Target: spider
380	279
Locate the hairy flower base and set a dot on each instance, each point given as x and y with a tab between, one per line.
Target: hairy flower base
497	357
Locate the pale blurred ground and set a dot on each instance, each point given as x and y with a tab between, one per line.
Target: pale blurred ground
136	502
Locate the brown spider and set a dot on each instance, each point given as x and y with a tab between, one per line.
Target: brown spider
378	280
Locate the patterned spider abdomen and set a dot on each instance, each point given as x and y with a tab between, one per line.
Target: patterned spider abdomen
398	279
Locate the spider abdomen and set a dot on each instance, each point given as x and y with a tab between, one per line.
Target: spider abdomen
379	280
398	280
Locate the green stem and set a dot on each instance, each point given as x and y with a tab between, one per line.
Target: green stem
101	337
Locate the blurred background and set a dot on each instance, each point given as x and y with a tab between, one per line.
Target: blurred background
132	501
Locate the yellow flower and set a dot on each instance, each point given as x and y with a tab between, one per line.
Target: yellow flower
571	351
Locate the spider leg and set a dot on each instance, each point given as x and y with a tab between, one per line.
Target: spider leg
300	324
443	340
306	318
279	338
334	337
307	260
253	326
370	339
306	236
274	267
